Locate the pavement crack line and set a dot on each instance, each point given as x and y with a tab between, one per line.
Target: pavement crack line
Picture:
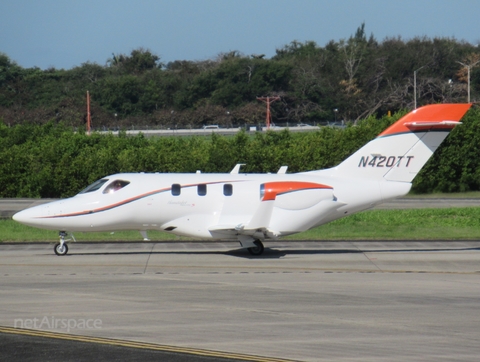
366	256
371	261
148	259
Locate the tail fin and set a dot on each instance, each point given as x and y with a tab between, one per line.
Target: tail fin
400	152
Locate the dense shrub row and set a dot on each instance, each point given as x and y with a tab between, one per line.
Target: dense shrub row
53	161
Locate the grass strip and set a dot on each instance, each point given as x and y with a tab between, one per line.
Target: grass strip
410	224
452	195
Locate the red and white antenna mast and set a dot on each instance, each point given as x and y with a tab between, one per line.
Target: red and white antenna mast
268	100
89	119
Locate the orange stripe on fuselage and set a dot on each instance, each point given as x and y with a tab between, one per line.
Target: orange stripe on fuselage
127	201
431	113
272	189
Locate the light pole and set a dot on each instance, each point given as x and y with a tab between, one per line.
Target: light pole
229	122
450	84
468	76
172	118
415	85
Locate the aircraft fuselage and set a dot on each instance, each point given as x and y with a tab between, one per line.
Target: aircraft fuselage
202	205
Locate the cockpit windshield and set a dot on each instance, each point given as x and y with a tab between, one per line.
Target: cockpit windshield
95	186
115	186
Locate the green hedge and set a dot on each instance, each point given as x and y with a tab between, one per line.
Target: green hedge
53	161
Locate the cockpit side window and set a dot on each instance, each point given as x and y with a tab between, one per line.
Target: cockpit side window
114	186
95	186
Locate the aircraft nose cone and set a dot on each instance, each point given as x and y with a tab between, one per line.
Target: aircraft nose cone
28	217
22	216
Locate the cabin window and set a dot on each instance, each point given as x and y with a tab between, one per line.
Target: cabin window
95	186
202	189
176	189
115	186
228	190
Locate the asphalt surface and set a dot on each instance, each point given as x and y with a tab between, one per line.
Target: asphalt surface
109	267
24	347
307	301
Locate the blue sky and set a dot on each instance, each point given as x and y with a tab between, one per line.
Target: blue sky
67	33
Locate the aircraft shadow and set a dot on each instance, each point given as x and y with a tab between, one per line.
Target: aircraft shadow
274	253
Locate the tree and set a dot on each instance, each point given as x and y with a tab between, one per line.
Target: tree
139	61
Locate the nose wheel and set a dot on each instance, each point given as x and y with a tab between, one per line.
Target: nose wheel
61	248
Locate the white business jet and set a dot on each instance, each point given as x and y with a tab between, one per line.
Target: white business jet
251	208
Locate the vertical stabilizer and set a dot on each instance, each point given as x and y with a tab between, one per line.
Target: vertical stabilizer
400	152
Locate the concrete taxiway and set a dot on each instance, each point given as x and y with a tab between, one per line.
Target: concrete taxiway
308	301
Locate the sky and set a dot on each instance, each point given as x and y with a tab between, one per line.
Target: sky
67	33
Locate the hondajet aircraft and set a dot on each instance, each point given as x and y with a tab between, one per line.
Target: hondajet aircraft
251	208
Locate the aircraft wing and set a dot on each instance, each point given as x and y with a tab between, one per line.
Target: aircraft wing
258	224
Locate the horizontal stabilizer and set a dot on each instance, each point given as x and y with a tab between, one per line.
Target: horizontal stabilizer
442	124
435	114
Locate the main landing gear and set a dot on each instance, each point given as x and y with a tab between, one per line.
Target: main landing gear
61	248
258	249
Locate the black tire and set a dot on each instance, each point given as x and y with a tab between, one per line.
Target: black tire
258	249
59	250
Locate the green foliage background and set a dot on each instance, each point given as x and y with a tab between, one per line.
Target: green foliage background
358	80
53	161
349	79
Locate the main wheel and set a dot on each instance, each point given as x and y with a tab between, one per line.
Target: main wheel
258	249
60	250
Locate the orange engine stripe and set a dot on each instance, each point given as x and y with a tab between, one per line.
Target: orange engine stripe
272	189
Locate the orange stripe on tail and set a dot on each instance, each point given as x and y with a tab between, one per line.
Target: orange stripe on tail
433	116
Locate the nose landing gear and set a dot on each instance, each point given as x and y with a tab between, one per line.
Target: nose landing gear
61	248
